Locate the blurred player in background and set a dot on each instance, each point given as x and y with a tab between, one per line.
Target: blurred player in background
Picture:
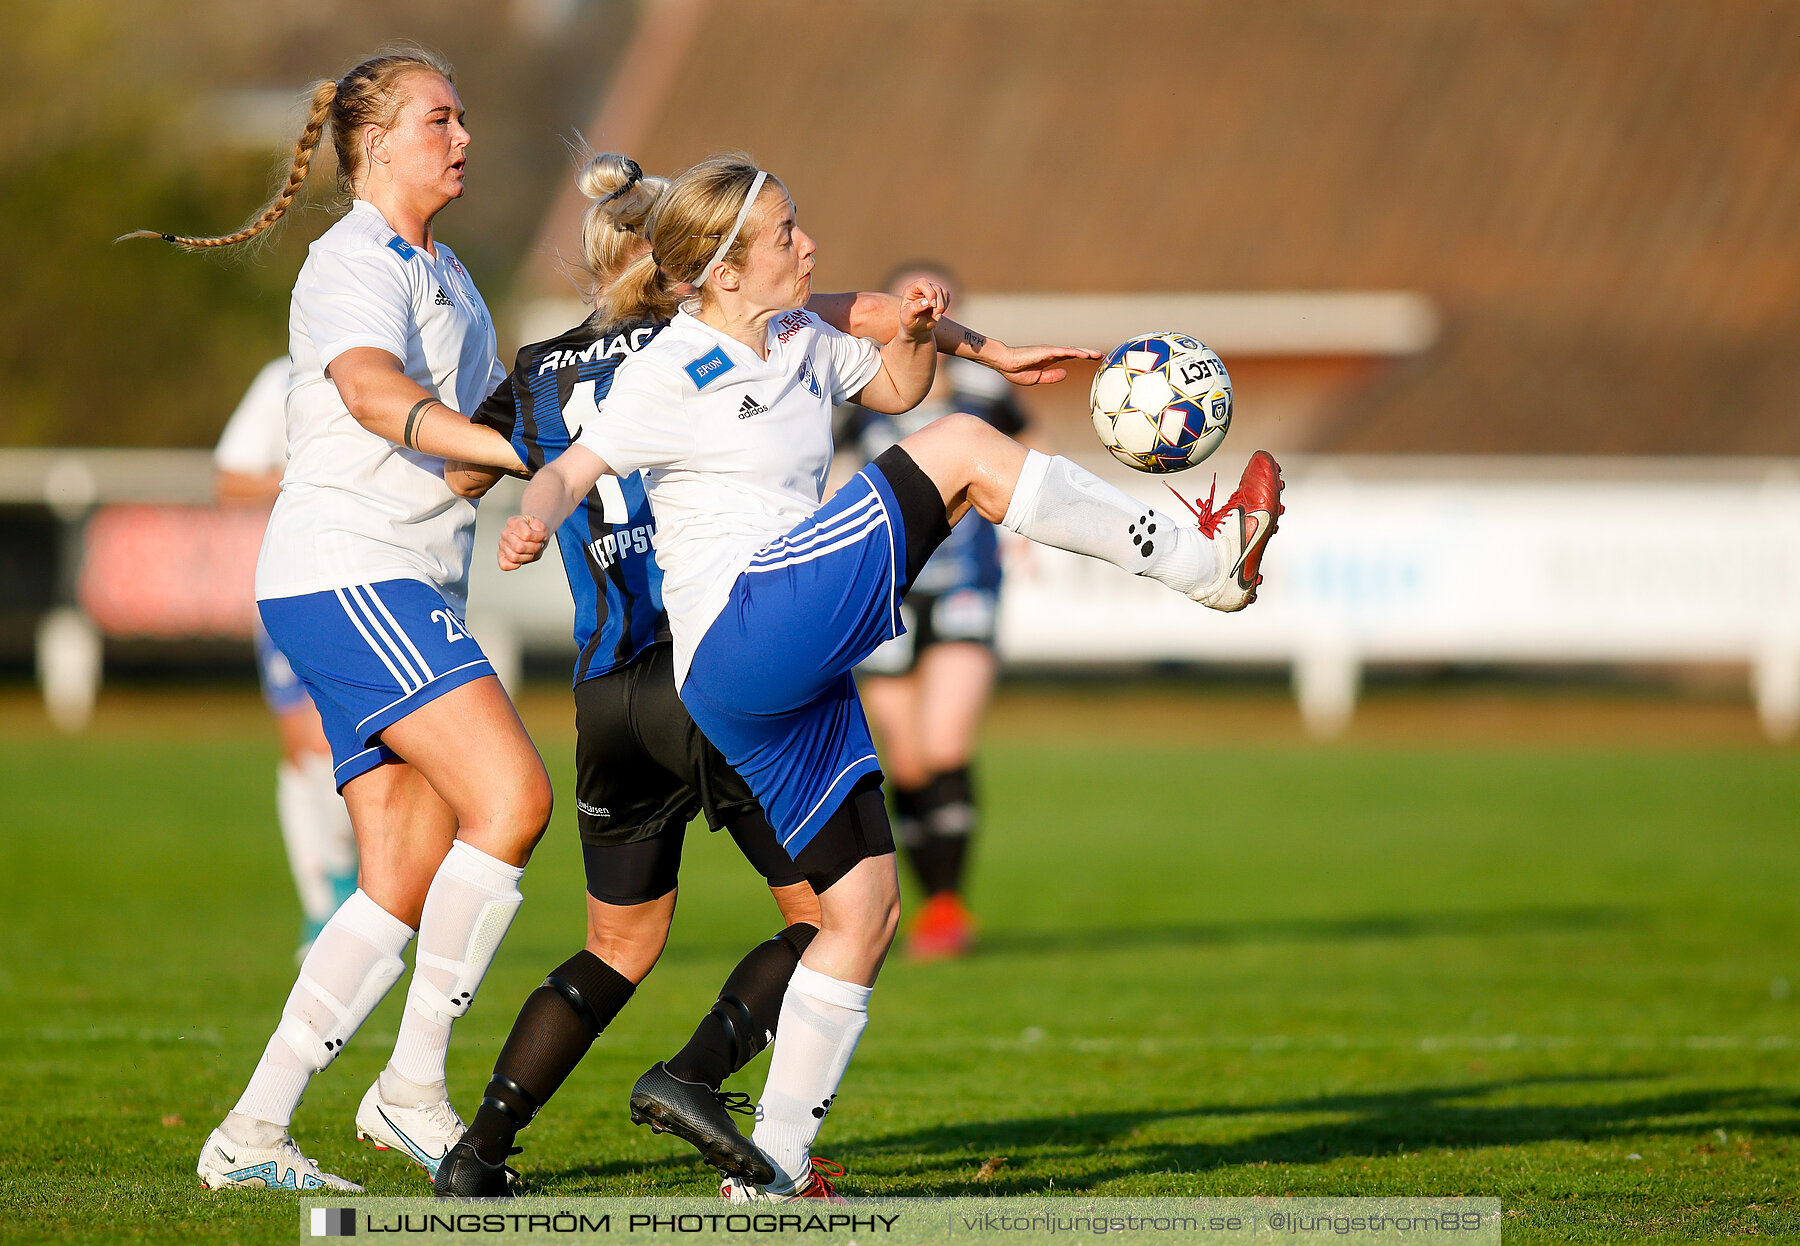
926	690
362	583
315	825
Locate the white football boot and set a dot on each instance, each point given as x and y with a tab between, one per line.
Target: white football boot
424	1135
1240	532
227	1165
818	1185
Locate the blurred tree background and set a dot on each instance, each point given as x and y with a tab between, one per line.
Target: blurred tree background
180	117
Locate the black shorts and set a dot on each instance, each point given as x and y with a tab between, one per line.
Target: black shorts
962	616
858	830
642	771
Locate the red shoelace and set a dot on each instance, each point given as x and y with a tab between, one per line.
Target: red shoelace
823	1170
1211	520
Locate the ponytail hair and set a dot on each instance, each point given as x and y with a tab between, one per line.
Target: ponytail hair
685	228
367	95
612	228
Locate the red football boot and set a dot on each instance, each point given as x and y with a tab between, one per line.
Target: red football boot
1240	532
944	929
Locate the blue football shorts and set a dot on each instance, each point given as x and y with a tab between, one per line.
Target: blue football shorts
369	655
770	680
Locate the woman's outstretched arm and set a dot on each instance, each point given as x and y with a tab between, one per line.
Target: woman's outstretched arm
877	316
390	404
551	497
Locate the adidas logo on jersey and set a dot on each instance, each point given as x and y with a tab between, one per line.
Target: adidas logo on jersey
442	299
751	407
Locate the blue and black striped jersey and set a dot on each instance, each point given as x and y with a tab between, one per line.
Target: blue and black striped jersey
605	544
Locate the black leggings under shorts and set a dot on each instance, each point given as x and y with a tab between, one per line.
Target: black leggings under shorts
642	771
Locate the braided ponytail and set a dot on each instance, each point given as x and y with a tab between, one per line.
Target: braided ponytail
367	95
324	95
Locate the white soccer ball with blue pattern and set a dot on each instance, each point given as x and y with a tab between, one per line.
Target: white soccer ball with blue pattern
1161	402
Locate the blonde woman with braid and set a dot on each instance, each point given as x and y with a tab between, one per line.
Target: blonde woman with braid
774	594
361	584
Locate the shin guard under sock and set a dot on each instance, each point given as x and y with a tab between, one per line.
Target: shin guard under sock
472	901
352	965
557	1025
821	1020
748	1011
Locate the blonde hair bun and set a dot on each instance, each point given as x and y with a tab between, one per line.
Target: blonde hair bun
620	189
612	228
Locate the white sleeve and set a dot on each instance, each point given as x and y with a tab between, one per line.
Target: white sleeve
497	375
255	437
640	423
356	300
854	361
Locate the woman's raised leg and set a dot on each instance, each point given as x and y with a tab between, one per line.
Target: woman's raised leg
1049	499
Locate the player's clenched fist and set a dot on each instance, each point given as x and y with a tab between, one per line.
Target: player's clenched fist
920	307
522	542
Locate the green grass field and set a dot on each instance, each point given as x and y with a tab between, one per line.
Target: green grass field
1554	973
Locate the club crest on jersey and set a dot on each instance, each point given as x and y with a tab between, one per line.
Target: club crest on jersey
810	379
709	367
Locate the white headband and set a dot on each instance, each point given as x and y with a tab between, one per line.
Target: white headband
755	187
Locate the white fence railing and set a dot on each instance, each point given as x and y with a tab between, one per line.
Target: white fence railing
1465	560
1483	560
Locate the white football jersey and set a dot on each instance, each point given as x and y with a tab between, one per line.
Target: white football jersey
255	437
734	449
356	508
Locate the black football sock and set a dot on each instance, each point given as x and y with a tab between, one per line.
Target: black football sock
949	816
743	1020
911	832
928	862
559	1022
906	812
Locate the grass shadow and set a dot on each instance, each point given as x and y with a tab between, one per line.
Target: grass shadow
1369	1125
1004	941
1472	924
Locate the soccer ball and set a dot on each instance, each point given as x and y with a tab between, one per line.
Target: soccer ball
1161	402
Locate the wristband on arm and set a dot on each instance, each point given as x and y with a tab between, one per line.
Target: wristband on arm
412	421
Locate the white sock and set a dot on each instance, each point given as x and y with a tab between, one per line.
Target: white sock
337	839
315	826
353	962
294	810
471	903
1057	503
821	1019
